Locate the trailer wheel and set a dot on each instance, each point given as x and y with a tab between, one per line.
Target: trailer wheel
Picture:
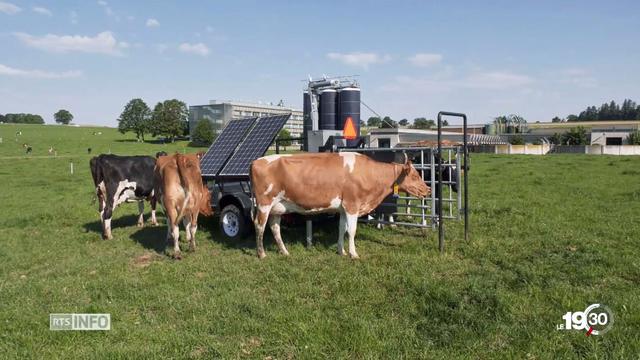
232	222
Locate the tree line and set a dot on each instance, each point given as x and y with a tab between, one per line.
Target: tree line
629	110
168	118
61	116
388	122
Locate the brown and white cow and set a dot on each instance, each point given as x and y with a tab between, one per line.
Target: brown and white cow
347	183
178	185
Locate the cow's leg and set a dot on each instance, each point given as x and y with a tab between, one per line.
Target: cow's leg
352	224
175	233
190	228
140	213
106	222
194	228
274	224
342	228
260	221
153	202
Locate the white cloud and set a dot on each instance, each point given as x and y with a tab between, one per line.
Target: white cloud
42	10
496	80
359	59
74	17
107	8
38	74
102	43
153	23
9	8
198	49
161	48
424	60
209	29
578	77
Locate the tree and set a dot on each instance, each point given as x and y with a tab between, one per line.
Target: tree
634	138
168	119
284	134
572	117
556	120
388	123
136	118
23	119
2	118
445	122
63	117
203	134
556	139
575	136
403	122
423	123
374	121
516	140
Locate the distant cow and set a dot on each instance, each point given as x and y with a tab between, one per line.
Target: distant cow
179	186
346	183
161	153
121	179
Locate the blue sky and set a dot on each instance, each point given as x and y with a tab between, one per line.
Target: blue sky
535	58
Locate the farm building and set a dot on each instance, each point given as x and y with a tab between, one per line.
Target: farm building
392	137
219	113
602	132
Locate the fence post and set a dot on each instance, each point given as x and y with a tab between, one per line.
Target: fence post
71	167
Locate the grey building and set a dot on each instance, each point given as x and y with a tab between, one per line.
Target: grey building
219	113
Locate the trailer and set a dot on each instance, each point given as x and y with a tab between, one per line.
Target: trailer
225	169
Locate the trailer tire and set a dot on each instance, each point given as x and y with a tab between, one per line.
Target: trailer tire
233	223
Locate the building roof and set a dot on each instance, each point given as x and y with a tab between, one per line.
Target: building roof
590	124
394	131
252	105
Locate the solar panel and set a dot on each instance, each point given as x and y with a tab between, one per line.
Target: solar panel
224	146
254	145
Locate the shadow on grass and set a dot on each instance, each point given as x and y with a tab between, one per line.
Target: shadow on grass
152	238
116	222
325	234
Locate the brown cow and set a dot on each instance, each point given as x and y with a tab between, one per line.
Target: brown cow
179	187
346	183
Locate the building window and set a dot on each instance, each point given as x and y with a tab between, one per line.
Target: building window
614	141
384	142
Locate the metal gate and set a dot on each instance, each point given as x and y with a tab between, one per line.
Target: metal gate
437	165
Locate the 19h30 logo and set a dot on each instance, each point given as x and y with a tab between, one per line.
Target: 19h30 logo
596	319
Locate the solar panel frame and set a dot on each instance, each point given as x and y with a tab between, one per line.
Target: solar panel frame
225	145
254	145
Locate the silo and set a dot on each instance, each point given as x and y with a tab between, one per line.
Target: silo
307	125
327	109
349	108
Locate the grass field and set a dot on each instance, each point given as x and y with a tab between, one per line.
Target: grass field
549	235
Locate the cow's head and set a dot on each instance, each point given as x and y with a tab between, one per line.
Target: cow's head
411	182
204	205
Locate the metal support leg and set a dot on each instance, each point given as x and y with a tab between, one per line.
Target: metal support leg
309	233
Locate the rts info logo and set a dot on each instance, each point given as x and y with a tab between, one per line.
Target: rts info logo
597	319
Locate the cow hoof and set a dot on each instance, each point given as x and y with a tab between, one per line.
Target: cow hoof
177	256
140	224
104	237
262	255
354	256
342	252
285	253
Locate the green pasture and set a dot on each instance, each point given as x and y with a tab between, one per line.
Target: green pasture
549	234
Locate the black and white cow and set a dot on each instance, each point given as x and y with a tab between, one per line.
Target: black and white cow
121	179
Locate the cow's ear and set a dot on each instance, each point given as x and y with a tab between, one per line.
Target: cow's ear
200	154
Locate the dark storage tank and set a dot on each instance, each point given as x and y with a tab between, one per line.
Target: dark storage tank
328	106
307	125
349	107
